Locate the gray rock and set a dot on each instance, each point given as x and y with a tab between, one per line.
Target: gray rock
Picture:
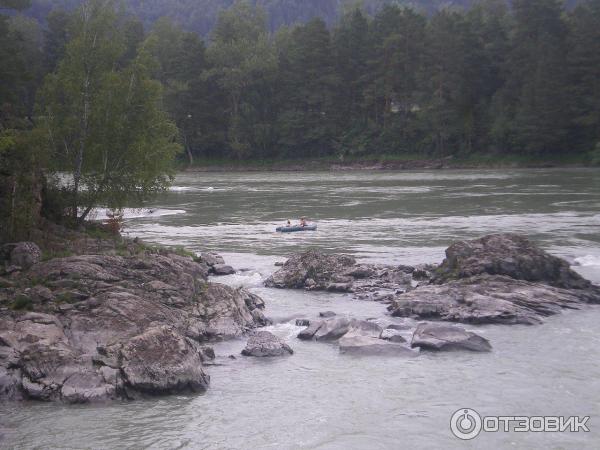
507	254
314	270
489	299
339	287
360	272
160	361
399	326
444	337
392	335
314	265
87	387
265	344
364	328
212	259
332	329
326	314
223	269
309	333
25	255
370	346
137	327
302	322
310	284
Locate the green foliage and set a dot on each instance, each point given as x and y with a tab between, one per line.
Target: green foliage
181	251
243	61
21	303
104	123
47	255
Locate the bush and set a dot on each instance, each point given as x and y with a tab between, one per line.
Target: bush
21	303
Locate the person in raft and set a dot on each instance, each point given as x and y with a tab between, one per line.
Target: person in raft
303	222
289	224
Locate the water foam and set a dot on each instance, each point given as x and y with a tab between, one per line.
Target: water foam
588	261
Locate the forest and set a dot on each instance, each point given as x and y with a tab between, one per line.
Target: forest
492	79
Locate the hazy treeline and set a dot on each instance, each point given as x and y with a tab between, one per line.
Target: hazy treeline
488	80
201	16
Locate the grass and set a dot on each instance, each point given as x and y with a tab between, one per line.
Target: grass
21	303
47	255
183	252
98	232
66	297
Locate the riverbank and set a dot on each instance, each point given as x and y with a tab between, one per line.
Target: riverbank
389	162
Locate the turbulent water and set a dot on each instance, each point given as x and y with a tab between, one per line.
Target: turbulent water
319	399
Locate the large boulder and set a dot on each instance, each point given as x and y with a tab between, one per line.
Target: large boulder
333	328
160	361
444	337
222	269
265	344
507	254
489	299
313	265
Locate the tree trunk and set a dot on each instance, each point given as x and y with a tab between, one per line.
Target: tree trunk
188	150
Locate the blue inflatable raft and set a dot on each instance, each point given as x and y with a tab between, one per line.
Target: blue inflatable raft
296	228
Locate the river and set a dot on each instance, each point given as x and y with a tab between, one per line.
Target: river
319	399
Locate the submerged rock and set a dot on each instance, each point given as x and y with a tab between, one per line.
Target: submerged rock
266	344
444	337
370	346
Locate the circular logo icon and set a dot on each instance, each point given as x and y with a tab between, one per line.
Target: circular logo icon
465	424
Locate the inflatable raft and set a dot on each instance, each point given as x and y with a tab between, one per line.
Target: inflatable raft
296	228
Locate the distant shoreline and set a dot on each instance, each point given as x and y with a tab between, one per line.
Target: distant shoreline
329	165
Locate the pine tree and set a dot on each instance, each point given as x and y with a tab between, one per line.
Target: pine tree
584	75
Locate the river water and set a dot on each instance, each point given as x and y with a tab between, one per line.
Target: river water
319	399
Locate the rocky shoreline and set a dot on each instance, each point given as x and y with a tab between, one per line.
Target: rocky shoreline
121	320
98	327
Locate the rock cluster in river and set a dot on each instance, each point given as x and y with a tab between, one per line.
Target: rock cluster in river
98	327
367	337
501	278
315	270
